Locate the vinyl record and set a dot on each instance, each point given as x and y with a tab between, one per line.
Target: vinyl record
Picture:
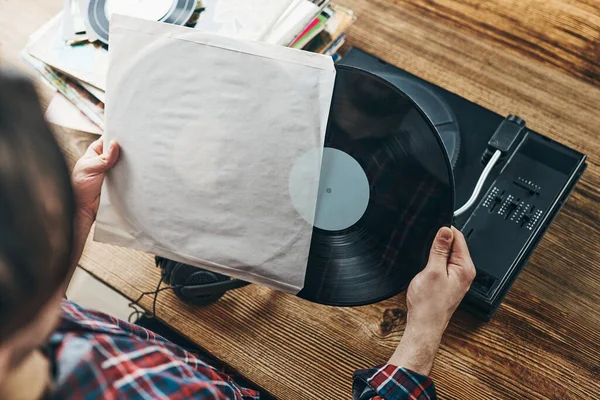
386	188
178	12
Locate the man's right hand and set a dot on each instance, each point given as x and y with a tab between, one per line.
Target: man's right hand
432	297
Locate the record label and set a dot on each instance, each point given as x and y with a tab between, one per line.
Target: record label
343	189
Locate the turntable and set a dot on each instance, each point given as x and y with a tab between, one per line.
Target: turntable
521	196
401	158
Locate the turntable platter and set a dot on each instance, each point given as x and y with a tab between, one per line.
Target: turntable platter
438	111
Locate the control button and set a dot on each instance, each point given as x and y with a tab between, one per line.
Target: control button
519	211
527	214
493	199
498	199
534	217
512	204
528	185
506	206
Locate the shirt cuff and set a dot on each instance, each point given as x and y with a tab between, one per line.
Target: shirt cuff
392	383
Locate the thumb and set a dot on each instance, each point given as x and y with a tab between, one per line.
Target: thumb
441	249
100	163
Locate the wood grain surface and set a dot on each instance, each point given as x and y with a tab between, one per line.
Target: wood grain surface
537	59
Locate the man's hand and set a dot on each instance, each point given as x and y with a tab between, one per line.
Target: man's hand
432	297
88	176
435	293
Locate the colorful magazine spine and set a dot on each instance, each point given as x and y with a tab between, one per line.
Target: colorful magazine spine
90	106
313	29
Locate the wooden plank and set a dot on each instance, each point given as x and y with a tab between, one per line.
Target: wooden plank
537	59
561	34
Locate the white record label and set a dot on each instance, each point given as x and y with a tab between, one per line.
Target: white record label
343	190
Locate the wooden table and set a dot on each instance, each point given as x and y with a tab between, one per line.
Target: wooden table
538	59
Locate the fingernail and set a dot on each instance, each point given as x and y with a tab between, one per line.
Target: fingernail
445	234
113	143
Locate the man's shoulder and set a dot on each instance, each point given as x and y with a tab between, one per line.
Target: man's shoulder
110	338
99	356
78	319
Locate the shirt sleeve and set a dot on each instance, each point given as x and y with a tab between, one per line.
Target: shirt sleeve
388	382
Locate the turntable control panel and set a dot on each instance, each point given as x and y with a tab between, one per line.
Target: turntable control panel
515	211
512	207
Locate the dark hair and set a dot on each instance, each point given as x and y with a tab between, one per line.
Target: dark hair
36	207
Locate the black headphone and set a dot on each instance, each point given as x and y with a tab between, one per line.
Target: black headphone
193	285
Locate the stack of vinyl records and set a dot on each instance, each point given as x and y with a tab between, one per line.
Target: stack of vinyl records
70	52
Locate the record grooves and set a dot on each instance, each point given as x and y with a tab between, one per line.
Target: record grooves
411	194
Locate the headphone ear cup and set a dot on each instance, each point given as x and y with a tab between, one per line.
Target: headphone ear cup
186	275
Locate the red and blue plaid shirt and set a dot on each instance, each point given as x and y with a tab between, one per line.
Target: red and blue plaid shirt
96	356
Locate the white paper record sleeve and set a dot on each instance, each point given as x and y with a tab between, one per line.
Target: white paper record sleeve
210	128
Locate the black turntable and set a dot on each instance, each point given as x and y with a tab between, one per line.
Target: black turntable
521	196
401	158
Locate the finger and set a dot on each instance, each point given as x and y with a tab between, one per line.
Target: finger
460	247
460	257
441	249
96	146
99	164
112	154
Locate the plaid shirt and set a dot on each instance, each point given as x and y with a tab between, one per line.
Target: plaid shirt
96	356
388	382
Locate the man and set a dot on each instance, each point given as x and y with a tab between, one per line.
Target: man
51	348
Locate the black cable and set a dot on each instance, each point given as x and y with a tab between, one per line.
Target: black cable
156	296
136	302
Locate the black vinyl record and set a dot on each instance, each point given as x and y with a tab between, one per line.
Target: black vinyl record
411	194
